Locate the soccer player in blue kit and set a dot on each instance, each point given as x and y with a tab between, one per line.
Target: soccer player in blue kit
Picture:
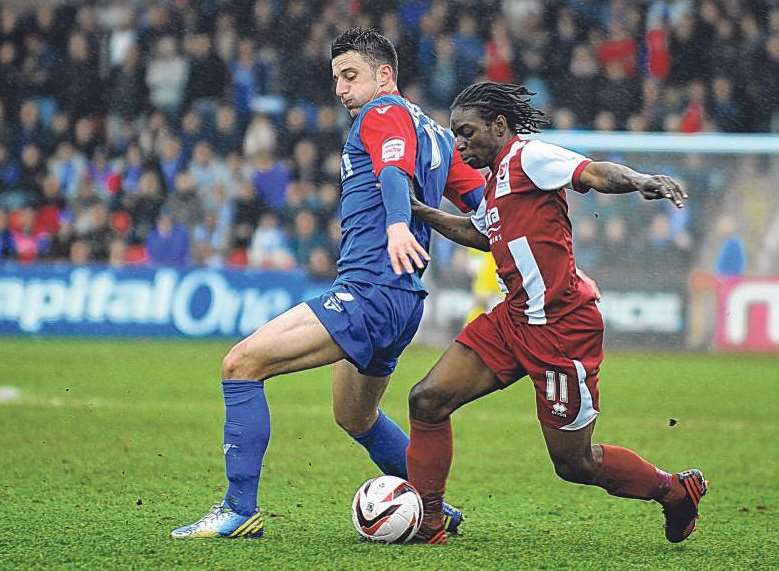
373	309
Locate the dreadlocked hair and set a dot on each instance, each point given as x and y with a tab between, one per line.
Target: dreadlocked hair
507	99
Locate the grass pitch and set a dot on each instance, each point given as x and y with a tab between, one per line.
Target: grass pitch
110	444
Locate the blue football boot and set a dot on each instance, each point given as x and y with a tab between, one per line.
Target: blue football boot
222	521
453	518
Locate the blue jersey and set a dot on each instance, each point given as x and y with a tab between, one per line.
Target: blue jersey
391	131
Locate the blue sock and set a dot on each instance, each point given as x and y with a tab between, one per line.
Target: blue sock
246	436
386	444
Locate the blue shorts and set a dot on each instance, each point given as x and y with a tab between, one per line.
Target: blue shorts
372	324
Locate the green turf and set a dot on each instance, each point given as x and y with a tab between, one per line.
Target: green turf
113	443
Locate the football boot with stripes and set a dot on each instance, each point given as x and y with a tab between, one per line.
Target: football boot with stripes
453	518
680	516
222	521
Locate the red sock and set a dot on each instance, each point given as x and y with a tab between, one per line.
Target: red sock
428	459
625	474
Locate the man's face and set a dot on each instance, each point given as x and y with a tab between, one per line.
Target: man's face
477	140
355	82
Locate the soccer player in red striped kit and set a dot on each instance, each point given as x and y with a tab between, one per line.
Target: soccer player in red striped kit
548	327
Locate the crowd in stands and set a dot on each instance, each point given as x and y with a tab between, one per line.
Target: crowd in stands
206	133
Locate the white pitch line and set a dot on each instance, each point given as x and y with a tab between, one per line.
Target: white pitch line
8	394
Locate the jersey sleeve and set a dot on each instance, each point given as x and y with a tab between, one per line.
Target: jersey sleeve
464	185
390	139
551	167
478	219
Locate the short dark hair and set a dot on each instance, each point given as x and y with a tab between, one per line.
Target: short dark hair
507	99
370	44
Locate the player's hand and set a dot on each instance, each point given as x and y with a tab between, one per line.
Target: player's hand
591	283
657	186
404	250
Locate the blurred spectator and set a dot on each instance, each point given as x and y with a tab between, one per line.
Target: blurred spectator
618	48
251	76
468	49
132	169
584	74
227	136
166	76
80	253
694	114
328	132
61	242
171	161
128	93
271	176
30	243
208	77
210	242
7	244
320	264
305	236
9	169
184	204
499	55
269	248
85	136
768	86
10	86
725	111
31	173
248	208
117	253
92	227
618	93
144	206
51	207
305	162
294	130
60	128
731	258
79	88
442	83
30	130
69	167
206	170
168	243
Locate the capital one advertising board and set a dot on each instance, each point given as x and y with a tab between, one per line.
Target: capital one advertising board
747	314
199	302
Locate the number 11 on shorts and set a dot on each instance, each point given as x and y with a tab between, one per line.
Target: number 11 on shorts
553	380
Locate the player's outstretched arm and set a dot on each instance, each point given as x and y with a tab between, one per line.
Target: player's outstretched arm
458	229
613	178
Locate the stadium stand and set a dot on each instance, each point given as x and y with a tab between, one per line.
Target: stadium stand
206	133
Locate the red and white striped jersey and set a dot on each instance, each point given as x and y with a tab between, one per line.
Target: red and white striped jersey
524	215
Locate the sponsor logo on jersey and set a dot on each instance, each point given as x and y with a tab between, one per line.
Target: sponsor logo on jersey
492	221
393	150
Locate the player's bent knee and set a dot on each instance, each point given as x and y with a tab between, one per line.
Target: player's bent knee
239	365
429	403
574	470
354	425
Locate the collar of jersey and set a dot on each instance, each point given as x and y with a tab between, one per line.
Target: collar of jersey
503	152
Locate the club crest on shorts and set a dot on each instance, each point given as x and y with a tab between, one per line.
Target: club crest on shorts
333	303
559	409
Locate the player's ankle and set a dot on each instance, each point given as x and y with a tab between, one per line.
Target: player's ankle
671	491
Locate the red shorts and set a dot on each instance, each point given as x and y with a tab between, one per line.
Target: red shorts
562	358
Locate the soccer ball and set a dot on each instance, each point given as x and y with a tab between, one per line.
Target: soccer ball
387	509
